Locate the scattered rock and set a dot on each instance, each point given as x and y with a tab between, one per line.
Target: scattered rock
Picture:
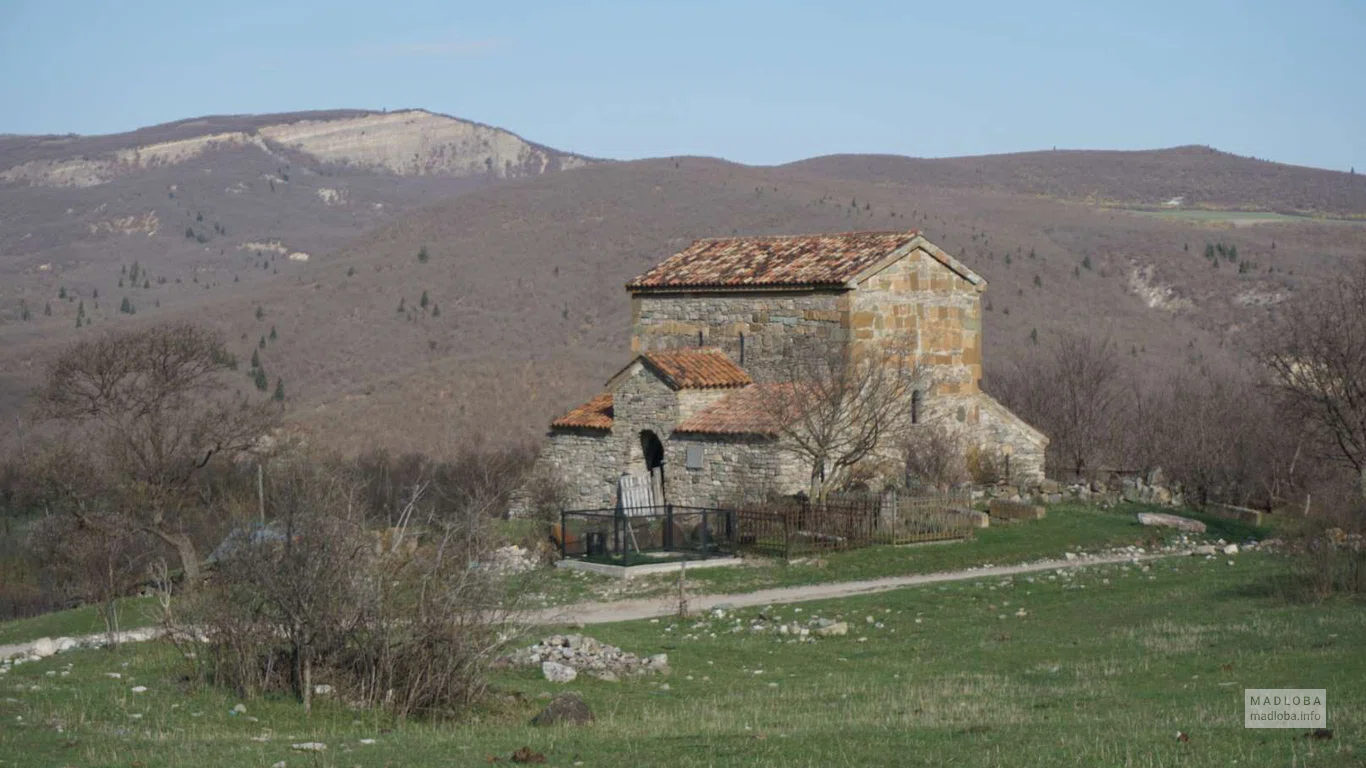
564	708
238	709
1231	549
585	654
139	689
322	690
1171	521
556	672
309	746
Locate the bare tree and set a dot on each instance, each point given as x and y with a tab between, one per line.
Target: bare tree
84	544
158	402
1316	357
1073	394
838	409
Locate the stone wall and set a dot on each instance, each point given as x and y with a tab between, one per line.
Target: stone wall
585	461
1002	430
641	402
777	326
920	302
735	470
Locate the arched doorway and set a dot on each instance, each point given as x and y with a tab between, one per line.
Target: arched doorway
653	450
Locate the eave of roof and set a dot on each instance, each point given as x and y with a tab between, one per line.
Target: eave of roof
594	414
688	368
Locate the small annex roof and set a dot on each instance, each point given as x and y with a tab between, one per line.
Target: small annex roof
787	261
747	411
689	368
594	414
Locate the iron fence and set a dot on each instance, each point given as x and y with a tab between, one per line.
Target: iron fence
646	534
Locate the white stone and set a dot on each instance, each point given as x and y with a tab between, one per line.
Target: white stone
43	647
309	746
556	672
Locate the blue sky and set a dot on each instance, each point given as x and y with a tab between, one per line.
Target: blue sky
755	82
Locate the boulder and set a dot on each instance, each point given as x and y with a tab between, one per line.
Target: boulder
564	708
978	519
1014	510
556	672
837	629
43	647
1171	521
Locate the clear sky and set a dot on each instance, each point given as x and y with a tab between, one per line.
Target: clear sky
755	82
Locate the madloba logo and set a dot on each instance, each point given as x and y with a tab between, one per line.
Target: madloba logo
1285	707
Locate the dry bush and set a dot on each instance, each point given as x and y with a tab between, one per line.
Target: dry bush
985	467
408	621
935	457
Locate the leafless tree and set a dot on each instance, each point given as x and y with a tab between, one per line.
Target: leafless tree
158	403
1074	394
85	544
847	406
408	620
1316	356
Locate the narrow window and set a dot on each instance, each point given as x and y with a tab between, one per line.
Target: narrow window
916	401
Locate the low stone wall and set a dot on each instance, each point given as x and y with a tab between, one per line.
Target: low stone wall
734	470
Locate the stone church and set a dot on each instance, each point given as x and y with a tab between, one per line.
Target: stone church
714	324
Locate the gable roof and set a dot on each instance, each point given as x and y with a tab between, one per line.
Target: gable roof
828	260
594	414
835	260
689	368
743	412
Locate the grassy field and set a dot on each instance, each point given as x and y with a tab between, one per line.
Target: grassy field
1235	217
1100	665
134	612
1067	527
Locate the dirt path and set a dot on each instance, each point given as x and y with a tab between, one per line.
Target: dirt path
652	607
647	608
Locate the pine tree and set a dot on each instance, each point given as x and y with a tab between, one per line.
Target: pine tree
80	319
279	395
423	301
1086	262
47	309
146	283
255	360
262	343
262	383
126	307
24	314
1034	335
95	294
61	292
436	310
422	254
401	308
273	334
350	271
1038	282
260	313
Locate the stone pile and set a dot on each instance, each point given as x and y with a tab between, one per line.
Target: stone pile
563	657
1150	489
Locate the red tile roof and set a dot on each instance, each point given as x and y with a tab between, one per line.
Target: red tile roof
744	412
594	414
697	368
787	260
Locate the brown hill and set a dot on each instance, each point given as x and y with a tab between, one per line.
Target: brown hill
1201	176
525	309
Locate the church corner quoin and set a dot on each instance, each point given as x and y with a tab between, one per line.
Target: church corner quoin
717	325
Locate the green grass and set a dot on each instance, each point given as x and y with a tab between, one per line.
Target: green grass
134	612
1074	527
1104	667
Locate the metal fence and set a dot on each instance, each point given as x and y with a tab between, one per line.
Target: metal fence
782	528
792	527
646	534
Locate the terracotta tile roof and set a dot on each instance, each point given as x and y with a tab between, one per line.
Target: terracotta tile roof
788	260
594	414
697	368
743	412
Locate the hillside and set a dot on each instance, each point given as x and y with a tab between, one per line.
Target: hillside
526	312
1201	176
